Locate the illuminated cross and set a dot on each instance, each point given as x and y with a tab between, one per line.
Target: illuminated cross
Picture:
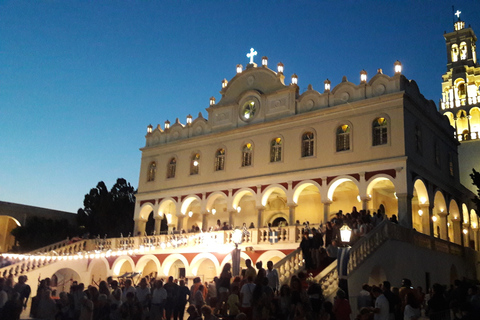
252	54
458	13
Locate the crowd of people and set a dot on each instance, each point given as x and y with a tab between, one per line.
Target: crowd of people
255	294
320	245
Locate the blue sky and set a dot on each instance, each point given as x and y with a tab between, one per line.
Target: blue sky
81	80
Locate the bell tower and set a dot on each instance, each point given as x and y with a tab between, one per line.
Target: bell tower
460	87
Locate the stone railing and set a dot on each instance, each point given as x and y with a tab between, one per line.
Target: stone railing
328	279
387	230
289	265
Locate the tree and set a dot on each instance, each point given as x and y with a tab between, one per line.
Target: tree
476	182
108	212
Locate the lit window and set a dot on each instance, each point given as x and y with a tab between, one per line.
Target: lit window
343	138
379	131
172	167
247	155
152	169
418	139
307	144
195	164
220	160
463	51
454	52
276	150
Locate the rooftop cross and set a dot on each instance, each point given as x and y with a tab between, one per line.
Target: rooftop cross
252	54
458	13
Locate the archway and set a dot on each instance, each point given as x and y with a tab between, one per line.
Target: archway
475	123
344	194
381	191
167	213
191	211
98	270
122	265
244	202
274	200
7	241
64	279
217	210
420	207
148	265
309	202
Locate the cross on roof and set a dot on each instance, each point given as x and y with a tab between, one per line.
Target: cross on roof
252	54
458	13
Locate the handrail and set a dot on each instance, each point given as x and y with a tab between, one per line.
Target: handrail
289	265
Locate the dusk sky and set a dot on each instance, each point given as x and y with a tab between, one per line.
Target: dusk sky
80	81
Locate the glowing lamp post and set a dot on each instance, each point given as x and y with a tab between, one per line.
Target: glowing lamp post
345	233
237	236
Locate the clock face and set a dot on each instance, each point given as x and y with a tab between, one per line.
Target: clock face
249	110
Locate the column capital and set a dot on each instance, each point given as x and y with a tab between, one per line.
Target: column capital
260	207
327	201
292	205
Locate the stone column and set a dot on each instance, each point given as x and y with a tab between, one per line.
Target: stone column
179	223
291	214
231	218
430	221
457	231
405	210
326	210
260	216
139	227
365	201
204	221
443	226
158	224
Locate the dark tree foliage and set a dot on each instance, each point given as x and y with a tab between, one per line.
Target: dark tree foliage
40	232
476	182
108	212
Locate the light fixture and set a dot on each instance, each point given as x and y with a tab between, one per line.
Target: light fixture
327	84
239	209
189	119
280	67
214	211
167	125
264	61
359	199
149	128
363	76
212	101
345	233
239	68
190	213
420	212
465	231
224	83
237	237
195	163
423	200
434	218
397	67
294	79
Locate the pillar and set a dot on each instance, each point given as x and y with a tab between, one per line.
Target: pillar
158	224
291	214
179	223
139	227
260	216
326	210
231	218
443	226
405	210
457	231
365	201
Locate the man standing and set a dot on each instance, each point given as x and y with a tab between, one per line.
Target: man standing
250	270
272	276
246	295
23	289
381	311
172	292
181	301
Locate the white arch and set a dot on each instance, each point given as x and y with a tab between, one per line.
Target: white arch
186	203
466	217
164	204
170	260
228	258
269	190
422	193
213	197
144	260
105	262
301	186
199	258
267	255
117	265
239	195
377	178
145	210
338	181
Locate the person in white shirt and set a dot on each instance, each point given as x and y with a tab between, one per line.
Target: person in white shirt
382	308
128	288
159	296
272	276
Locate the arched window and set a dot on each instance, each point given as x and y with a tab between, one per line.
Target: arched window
463	51
343	138
379	132
172	167
418	139
308	140
247	152
454	52
276	150
195	164
152	169
220	160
